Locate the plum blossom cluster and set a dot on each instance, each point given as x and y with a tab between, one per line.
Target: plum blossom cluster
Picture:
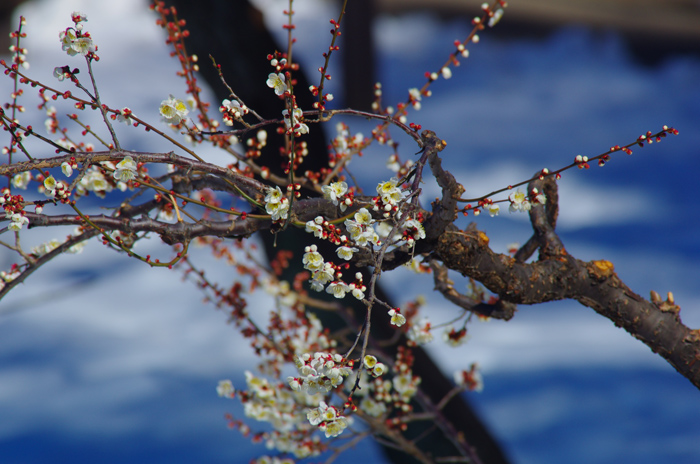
173	110
328	419
75	41
294	123
320	373
397	318
389	196
232	110
14	210
276	204
375	368
519	201
282	408
326	273
277	82
420	332
125	170
55	189
345	145
338	194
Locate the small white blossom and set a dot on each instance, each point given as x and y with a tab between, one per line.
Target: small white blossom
519	202
389	191
312	259
173	110
21	180
497	15
277	81
397	318
345	252
67	169
334	191
50	185
225	389
126	169
420	333
338	289
59	73
17	221
294	123
379	369
493	209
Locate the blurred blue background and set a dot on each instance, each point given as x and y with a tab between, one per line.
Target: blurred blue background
103	359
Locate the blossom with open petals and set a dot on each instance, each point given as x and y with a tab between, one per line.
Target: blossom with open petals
345	252
225	389
334	191
519	201
126	169
277	81
173	110
397	318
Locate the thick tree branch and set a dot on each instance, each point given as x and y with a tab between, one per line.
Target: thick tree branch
557	276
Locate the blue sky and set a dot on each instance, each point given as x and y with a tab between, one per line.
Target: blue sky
102	358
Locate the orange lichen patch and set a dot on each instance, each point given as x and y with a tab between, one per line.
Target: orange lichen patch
602	268
693	336
483	239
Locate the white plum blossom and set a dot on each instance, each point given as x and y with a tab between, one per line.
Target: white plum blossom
539	197
67	169
124	115
378	370
225	389
519	202
328	419
372	408
50	186
46	247
83	45
416	97
389	192
334	191
59	73
453	337
369	361
17	221
173	110
322	276
315	227
492	209
397	318
496	17
126	169
420	333
320	373
312	259
21	180
405	384
276	204
232	109
277	81
418	230
357	291
338	288
294	123
346	253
